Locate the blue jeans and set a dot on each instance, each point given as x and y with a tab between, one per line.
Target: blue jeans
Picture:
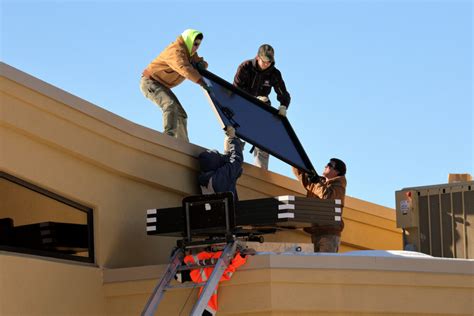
174	116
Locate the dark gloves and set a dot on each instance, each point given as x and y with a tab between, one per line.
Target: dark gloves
315	178
201	65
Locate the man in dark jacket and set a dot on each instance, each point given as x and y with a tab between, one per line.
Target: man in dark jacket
219	173
332	185
257	77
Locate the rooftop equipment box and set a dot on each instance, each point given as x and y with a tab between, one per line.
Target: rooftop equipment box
438	220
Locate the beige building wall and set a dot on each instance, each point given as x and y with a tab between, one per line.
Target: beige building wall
119	169
269	284
385	284
32	286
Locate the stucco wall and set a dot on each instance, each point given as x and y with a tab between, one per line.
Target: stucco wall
119	169
314	285
33	286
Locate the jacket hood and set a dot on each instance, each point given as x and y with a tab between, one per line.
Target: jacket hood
189	36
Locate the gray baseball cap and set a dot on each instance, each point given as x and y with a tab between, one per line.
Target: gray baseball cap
266	53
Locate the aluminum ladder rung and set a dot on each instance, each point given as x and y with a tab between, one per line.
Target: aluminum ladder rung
160	288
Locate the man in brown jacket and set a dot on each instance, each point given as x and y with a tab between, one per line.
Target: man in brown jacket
168	70
332	185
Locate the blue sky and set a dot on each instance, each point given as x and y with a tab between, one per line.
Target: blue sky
384	85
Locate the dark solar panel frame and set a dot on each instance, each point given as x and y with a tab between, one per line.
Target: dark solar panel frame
224	121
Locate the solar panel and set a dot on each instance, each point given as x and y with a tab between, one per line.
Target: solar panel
255	122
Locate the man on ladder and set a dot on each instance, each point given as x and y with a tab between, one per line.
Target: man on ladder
219	173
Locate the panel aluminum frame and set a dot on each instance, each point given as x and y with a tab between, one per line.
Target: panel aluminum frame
232	114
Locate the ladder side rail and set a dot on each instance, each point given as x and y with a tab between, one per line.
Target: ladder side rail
211	284
160	288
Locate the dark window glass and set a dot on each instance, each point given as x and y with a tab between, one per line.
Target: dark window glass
36	221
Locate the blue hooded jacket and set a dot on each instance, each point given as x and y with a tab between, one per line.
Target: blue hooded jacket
223	169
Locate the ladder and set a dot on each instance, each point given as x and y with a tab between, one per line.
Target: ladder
176	264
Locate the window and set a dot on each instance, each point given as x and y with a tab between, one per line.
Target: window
36	221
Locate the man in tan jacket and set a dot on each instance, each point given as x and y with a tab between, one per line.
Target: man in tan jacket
332	185
168	70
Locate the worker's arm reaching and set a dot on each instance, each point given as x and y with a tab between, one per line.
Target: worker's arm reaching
201	64
323	187
178	60
233	150
303	178
283	96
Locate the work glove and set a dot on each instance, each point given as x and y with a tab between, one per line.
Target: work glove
230	131
201	65
204	85
315	178
282	110
263	98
